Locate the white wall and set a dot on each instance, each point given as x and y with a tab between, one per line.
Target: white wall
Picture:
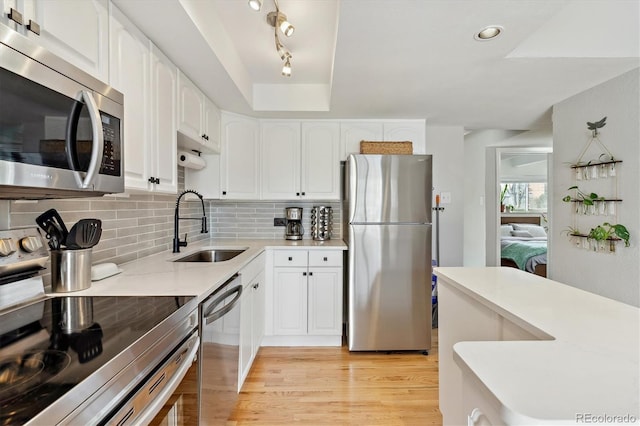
481	188
612	275
446	144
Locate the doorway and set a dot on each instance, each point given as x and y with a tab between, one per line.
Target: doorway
522	214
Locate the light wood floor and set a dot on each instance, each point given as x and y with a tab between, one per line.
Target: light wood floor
322	386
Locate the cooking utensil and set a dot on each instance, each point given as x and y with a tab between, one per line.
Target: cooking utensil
88	343
51	223
84	234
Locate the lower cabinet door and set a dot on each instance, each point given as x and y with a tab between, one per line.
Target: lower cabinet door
325	301
246	307
290	301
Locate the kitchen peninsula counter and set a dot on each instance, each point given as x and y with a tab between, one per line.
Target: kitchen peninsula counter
159	275
516	348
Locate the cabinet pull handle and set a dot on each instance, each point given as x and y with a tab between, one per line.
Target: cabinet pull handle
290	258
16	16
33	27
325	259
256	285
152	180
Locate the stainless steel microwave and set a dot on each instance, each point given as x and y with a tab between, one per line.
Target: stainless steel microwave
60	128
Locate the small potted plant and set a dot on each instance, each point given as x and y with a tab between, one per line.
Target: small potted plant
503	194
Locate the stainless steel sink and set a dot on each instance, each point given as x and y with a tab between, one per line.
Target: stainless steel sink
211	255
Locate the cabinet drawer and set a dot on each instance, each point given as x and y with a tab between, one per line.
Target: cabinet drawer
290	258
325	257
250	271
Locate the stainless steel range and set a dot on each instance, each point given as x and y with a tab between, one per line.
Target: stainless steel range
85	360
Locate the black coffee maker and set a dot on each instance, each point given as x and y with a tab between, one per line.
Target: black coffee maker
294	229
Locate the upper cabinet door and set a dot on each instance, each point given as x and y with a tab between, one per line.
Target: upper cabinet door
211	126
77	31
239	159
280	160
351	133
164	84
190	110
129	69
409	130
320	161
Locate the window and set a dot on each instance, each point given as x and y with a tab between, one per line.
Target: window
526	197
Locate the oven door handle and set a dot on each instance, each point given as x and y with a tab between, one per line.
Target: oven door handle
210	317
97	147
158	402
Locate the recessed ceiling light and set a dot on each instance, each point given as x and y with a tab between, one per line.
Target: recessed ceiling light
488	33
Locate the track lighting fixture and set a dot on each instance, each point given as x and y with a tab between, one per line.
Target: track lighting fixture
255	5
278	21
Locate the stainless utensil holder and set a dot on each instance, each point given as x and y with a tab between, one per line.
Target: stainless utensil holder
70	270
321	222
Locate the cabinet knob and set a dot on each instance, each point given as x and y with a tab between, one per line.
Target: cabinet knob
325	259
303	193
290	258
224	192
256	285
310	274
297	194
304	274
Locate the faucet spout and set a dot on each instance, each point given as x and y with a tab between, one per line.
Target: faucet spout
177	243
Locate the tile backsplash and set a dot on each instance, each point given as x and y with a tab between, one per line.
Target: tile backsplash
254	220
138	225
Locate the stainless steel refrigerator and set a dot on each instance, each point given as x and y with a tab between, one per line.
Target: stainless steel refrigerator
387	223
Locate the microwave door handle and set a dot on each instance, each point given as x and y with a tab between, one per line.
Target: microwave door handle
97	147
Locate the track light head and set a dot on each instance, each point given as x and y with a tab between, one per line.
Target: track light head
279	19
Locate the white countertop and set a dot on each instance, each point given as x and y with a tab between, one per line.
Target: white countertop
589	362
158	275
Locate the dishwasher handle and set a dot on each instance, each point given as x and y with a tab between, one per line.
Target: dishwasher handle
210	316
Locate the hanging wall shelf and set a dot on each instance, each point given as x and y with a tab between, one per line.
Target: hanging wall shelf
589	205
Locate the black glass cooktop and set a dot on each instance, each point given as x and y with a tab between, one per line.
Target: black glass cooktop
48	347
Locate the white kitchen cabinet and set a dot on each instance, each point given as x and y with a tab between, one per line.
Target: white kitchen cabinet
352	133
239	158
300	160
164	83
280	160
148	83
320	161
198	118
307	297
251	315
406	130
77	31
258	311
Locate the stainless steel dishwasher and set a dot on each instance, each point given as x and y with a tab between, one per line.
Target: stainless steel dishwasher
219	352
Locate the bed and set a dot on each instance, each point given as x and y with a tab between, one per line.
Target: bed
523	244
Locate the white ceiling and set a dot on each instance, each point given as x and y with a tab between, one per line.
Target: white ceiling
398	58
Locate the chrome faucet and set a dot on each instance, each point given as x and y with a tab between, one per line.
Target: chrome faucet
176	221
